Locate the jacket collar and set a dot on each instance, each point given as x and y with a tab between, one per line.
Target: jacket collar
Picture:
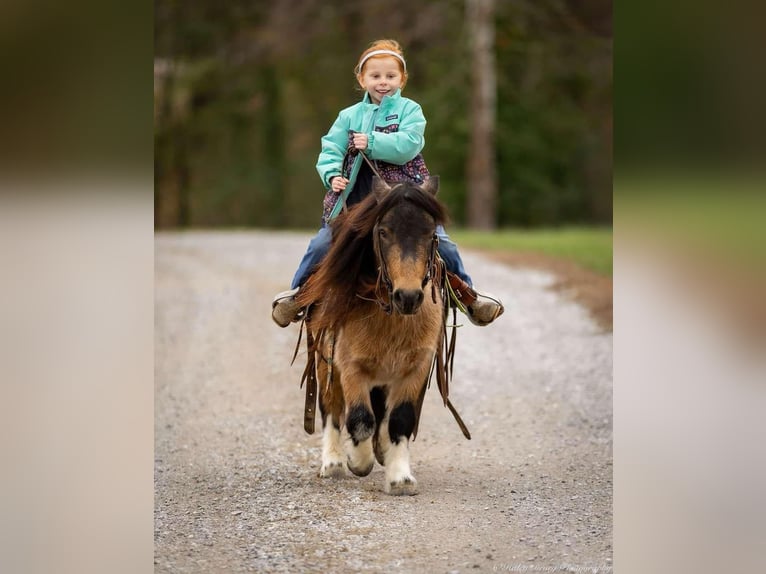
387	100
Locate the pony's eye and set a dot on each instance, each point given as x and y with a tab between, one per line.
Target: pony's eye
382	234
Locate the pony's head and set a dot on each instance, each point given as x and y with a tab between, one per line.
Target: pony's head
404	239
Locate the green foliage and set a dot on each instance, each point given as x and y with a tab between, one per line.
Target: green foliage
554	94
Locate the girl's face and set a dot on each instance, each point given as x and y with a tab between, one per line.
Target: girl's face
381	77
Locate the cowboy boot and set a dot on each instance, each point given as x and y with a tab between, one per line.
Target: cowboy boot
481	308
285	309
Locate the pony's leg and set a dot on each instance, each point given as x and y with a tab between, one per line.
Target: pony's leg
360	423
331	408
394	442
378	399
333	458
394	438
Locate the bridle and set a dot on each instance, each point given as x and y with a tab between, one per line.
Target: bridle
432	271
434	265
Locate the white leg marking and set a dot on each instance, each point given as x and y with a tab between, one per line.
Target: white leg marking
333	458
399	479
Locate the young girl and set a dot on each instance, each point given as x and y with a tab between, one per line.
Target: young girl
388	129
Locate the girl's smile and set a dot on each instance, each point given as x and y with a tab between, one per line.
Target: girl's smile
381	77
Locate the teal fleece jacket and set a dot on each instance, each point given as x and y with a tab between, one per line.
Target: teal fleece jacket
395	131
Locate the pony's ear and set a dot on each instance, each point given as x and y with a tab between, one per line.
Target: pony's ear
379	187
431	185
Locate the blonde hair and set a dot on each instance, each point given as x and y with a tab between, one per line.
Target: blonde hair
385	44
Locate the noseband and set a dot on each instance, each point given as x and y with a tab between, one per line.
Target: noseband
385	279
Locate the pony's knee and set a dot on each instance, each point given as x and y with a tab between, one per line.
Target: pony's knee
401	422
360	423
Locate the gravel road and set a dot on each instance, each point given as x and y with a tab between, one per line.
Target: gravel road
236	486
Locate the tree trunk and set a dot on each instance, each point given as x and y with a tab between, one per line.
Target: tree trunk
481	170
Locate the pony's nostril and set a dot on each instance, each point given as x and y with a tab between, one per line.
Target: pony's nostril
408	300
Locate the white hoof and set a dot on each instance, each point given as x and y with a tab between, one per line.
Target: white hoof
406	486
333	457
334	469
360	458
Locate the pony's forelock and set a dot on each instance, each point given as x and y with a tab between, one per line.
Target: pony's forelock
414	194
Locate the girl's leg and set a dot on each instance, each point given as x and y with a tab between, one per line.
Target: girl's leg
284	308
448	251
481	308
317	249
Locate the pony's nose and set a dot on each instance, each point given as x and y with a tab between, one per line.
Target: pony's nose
407	301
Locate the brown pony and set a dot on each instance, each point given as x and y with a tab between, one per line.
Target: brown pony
375	322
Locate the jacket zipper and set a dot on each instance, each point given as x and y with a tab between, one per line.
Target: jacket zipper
354	172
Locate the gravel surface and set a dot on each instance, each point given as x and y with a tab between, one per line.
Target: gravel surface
236	486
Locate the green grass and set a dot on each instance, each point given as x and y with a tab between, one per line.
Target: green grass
590	247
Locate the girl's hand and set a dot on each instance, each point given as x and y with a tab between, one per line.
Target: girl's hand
338	183
360	141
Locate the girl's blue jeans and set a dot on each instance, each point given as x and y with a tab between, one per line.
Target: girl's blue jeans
320	245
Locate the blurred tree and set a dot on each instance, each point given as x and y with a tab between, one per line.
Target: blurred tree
482	176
